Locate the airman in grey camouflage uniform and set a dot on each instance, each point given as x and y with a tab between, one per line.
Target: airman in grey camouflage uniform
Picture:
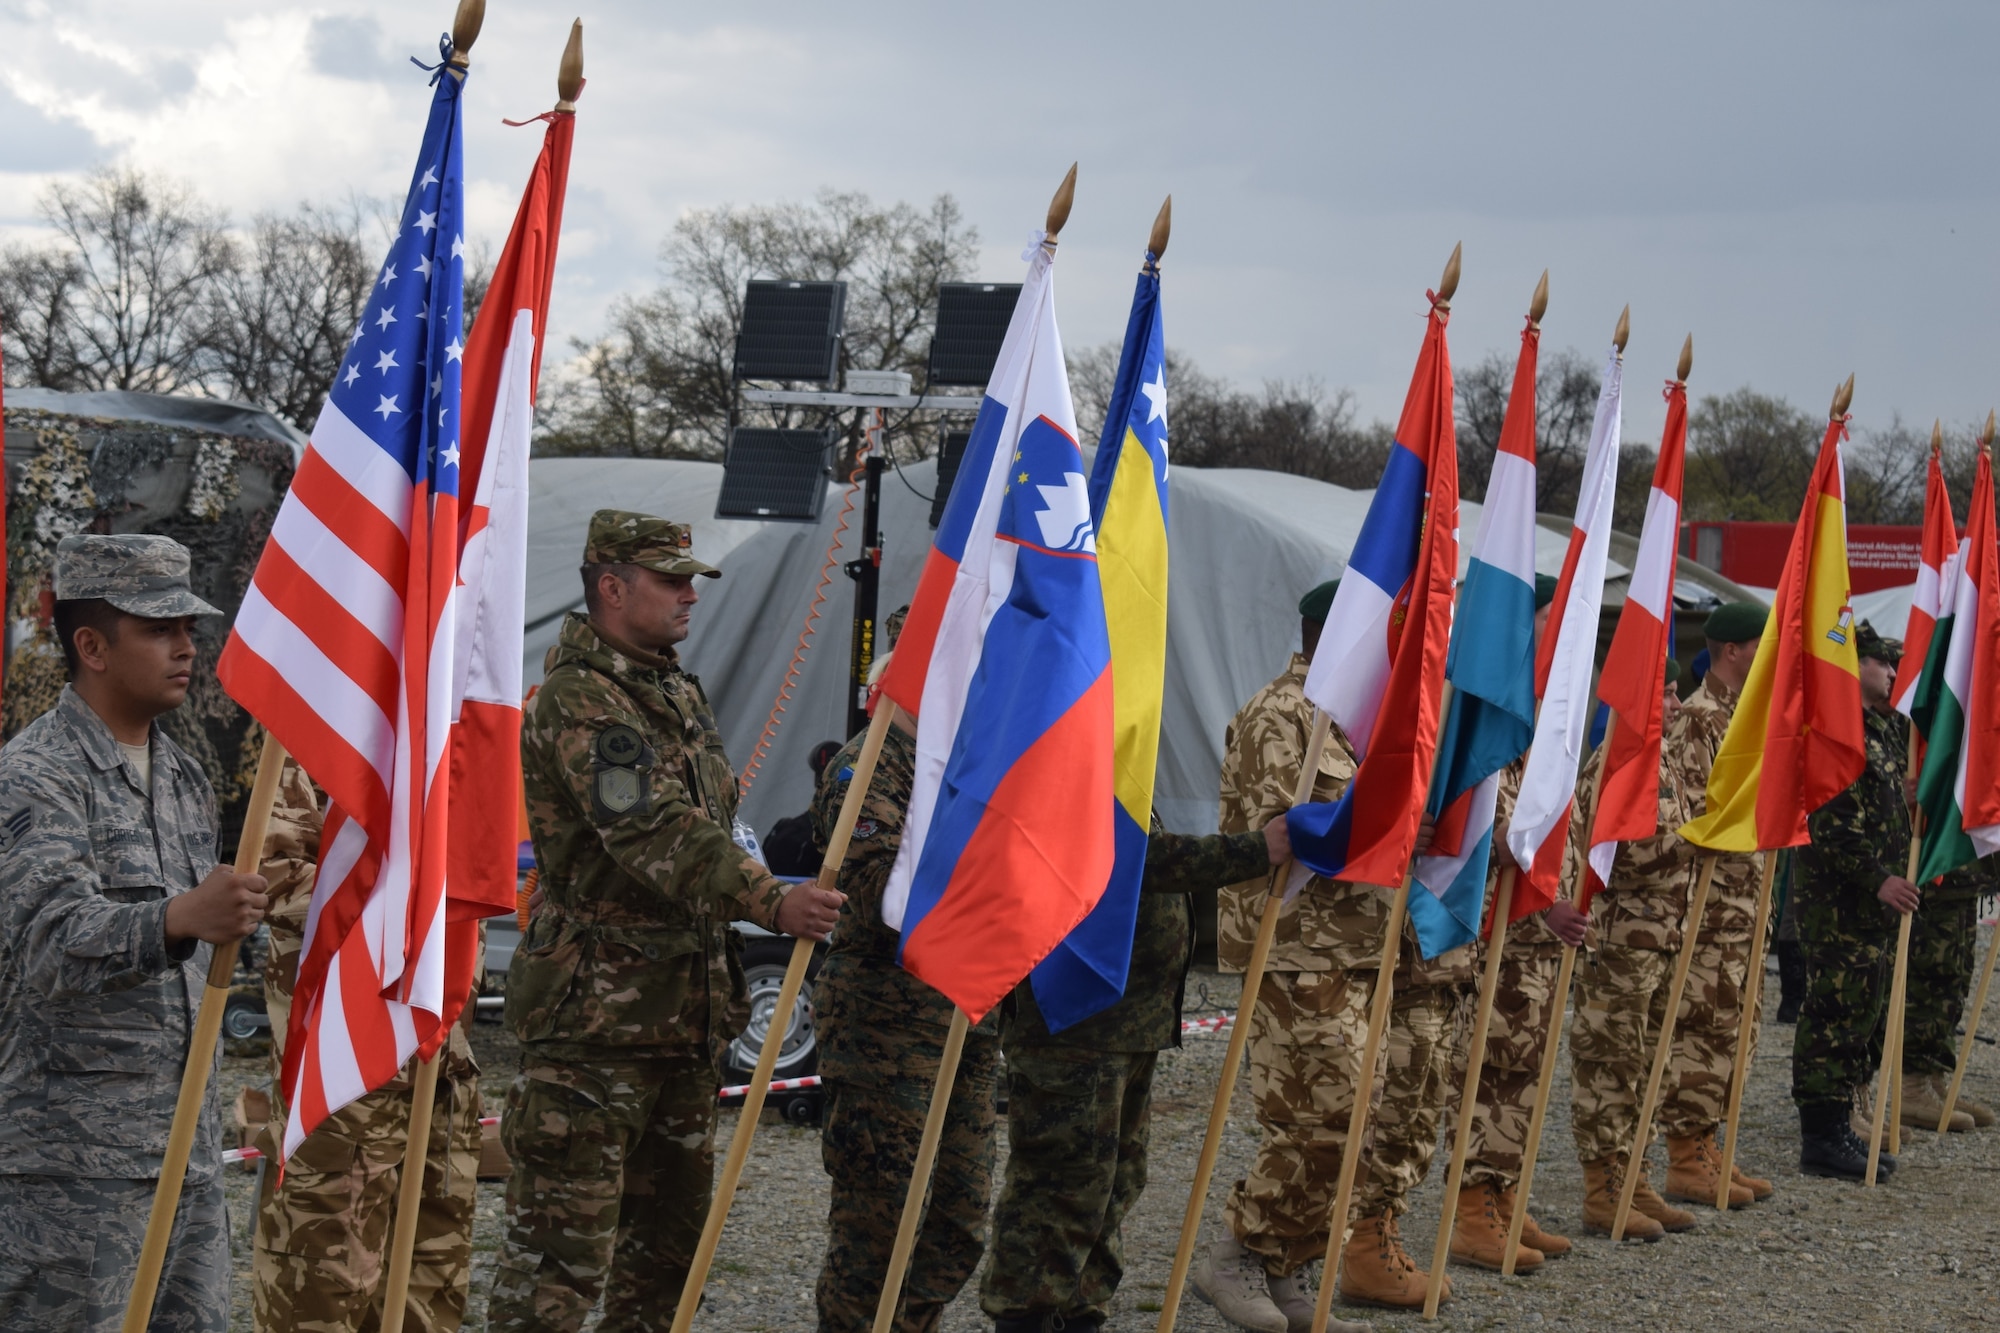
627	987
318	1261
109	897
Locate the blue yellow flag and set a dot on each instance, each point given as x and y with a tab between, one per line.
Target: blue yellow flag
1128	505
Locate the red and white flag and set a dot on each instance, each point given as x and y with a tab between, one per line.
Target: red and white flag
1937	572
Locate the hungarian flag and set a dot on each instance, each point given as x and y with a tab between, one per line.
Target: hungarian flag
1795	741
1631	685
1564	662
1379	668
1931	599
1958	703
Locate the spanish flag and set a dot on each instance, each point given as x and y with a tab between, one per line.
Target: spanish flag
1795	740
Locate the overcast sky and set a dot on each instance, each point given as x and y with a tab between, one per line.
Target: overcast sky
1806	185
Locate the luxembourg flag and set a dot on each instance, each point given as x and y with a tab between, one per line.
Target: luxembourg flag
1937	573
1628	798
1005	662
1492	669
1563	663
1379	669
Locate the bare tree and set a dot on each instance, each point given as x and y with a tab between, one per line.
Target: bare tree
1749	457
38	287
1566	387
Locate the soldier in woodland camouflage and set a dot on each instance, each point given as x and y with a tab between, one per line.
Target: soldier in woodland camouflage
318	1264
109	895
627	987
1943	944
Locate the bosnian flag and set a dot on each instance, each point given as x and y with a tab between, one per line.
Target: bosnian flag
1563	662
1379	668
1491	667
1958	704
1006	664
1633	683
1937	572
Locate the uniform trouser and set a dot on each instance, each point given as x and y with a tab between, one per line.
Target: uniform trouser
1695	1098
1077	1123
1306	1035
1849	941
1943	948
69	1249
322	1240
613	1161
1515	1037
873	1123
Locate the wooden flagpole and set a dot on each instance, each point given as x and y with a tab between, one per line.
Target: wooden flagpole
410	1194
1892	1038
1971	1031
774	1037
1746	1030
1239	1038
1468	1097
201	1048
1545	1081
920	1175
1641	1139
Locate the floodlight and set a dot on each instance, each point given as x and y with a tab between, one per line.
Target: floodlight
971	324
775	474
951	449
791	331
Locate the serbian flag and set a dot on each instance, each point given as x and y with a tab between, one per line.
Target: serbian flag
1632	685
1491	667
1958	703
1932	599
1564	662
1379	668
1128	506
1795	740
1005	662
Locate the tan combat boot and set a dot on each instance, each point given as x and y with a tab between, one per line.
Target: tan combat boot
1602	1180
1760	1188
1479	1233
1694	1169
1982	1116
1375	1270
1231	1279
1549	1243
1861	1119
1923	1103
1646	1200
1296	1296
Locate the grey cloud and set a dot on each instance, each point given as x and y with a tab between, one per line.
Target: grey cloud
347	47
32	140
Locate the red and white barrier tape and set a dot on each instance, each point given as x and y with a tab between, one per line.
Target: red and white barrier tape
231	1156
1216	1024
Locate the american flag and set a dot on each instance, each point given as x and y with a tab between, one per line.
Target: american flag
344	648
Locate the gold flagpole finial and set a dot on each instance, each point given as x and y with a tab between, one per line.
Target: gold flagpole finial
569	74
1843	398
465	25
1623	333
1448	284
1986	437
1065	195
1163	225
1539	302
1686	361
1937	436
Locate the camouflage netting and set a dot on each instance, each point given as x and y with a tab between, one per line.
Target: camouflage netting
215	493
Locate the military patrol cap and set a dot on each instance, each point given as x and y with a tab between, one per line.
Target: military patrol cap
1673	671
1315	604
620	537
1545	590
1736	622
1867	643
141	575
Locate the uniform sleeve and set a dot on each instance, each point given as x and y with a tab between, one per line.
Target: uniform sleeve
290	866
72	939
1261	767
663	840
1188	863
878	825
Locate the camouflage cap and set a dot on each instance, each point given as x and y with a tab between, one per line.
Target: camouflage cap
1736	622
1868	643
620	537
139	574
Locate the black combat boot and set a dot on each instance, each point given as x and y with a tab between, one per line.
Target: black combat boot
1791	980
1828	1146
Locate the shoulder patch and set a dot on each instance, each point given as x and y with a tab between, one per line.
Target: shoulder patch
866	828
14	826
618	790
619	744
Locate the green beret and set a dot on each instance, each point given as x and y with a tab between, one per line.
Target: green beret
1545	590
1315	604
1673	671
1867	643
1736	622
619	537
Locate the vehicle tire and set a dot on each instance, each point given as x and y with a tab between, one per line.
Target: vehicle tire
764	961
244	1018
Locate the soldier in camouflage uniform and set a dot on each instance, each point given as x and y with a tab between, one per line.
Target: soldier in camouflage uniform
627	987
1850	888
1079	1102
318	1263
109	895
1942	947
881	1037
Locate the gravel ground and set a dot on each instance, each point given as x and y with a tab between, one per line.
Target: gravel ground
1920	1253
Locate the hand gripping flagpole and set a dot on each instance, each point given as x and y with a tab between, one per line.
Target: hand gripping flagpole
774	1037
201	1048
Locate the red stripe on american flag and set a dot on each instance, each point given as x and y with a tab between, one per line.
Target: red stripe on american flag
321	617
323	752
346	511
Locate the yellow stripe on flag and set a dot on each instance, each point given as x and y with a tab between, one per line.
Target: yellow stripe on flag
1132	566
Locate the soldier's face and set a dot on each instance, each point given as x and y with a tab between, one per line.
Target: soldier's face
1877	677
147	665
1670	708
660	607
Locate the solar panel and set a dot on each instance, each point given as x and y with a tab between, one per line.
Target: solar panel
951	449
791	331
775	474
971	324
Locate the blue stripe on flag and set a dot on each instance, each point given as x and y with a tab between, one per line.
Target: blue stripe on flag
1386	551
1086	973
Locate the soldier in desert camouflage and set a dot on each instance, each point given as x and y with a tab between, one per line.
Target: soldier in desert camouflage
109	898
627	987
318	1263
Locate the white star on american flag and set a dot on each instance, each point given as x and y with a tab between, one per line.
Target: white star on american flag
437	385
352	375
388	317
454	349
424	266
388	276
387	406
385	361
458	247
430	177
426	221
451	455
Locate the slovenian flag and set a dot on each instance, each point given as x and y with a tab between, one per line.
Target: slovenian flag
1492	669
1564	661
1958	703
1379	669
1128	505
1005	662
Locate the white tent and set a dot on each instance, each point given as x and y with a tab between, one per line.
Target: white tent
1246	544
